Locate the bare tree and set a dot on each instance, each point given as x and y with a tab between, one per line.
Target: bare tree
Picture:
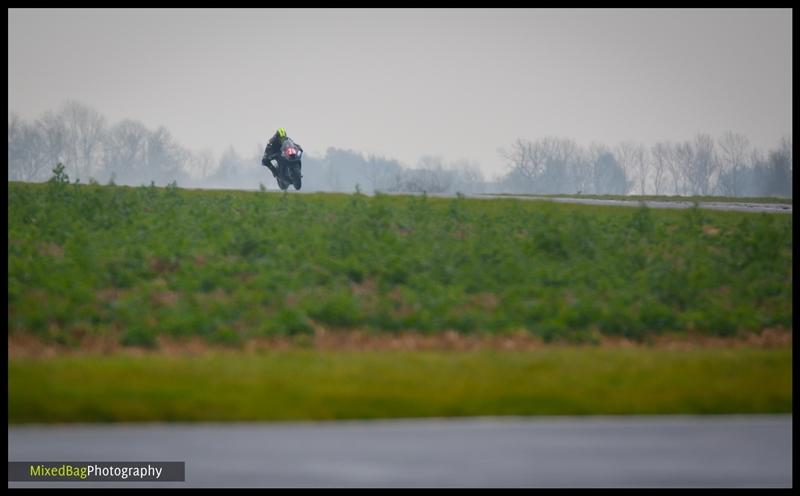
786	149
126	151
164	157
17	165
14	130
547	165
755	176
660	152
55	138
641	163
704	166
733	163
85	130
581	171
430	175
200	165
527	159
681	167
626	154
467	177
379	172
778	171
697	165
592	155
27	157
561	154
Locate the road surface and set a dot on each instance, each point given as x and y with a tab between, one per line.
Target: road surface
657	451
780	208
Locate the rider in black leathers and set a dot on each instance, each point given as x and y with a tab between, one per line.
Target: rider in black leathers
273	150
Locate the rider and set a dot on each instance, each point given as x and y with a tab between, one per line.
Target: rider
273	149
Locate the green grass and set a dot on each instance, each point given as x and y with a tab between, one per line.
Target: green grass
136	263
310	385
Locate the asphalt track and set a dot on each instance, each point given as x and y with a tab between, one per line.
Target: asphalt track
657	451
781	208
778	208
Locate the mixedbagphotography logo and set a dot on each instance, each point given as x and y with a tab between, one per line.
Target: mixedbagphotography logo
96	471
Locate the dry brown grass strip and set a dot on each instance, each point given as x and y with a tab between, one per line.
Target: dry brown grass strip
26	345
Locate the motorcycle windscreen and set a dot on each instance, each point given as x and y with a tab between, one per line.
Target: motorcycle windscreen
290	151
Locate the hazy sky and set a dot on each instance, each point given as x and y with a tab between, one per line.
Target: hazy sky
458	83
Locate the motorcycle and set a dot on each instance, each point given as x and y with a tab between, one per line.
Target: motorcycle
288	165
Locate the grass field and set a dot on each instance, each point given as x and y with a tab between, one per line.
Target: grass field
312	385
137	263
135	267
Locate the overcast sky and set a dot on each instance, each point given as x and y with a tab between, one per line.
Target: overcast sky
458	83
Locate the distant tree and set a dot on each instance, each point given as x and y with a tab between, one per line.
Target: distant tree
547	165
85	133
55	139
164	157
333	175
78	138
561	156
631	157
778	171
755	175
695	166
200	165
227	172
609	176
526	163
591	156
126	151
660	152
28	159
430	176
343	169
641	160
733	163
704	166
380	171
580	170
467	177
514	181
681	167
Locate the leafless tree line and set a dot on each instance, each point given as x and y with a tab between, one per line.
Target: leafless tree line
346	170
91	149
728	166
129	153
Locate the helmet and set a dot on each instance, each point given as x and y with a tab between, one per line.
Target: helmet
281	133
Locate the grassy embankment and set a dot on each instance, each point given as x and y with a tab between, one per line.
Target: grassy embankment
138	264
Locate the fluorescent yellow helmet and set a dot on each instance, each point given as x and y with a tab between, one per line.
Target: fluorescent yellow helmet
281	132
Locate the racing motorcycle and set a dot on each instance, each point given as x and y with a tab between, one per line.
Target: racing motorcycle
288	165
